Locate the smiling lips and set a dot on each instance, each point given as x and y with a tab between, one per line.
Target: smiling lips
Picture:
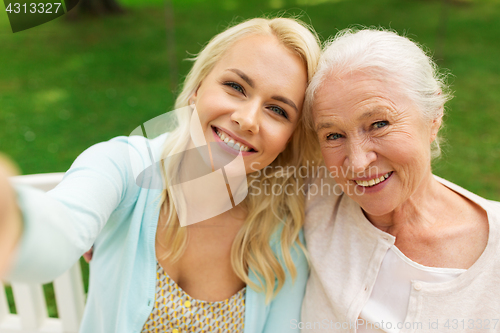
231	142
373	182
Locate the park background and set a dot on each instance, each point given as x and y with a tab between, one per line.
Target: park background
83	79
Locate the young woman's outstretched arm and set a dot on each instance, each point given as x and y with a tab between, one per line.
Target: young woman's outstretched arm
59	226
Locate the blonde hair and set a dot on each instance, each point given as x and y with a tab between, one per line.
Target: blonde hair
251	249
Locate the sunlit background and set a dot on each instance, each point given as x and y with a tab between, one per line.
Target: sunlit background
94	75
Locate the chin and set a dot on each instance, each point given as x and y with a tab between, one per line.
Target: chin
375	208
376	212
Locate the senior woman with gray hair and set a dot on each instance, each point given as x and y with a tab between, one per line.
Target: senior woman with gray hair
400	250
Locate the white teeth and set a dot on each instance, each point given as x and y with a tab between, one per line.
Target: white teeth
231	143
374	181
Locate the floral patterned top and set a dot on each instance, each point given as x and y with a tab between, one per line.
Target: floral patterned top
177	312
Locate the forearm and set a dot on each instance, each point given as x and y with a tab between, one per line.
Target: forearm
61	225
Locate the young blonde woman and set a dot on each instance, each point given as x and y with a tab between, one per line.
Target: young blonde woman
243	270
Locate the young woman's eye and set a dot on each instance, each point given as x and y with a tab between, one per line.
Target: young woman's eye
235	86
333	136
380	124
279	111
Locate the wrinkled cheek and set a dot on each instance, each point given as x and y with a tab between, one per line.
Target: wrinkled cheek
333	164
328	156
334	167
408	180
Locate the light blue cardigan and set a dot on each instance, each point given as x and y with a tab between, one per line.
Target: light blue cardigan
98	202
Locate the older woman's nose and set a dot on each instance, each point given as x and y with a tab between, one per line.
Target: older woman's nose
359	158
247	117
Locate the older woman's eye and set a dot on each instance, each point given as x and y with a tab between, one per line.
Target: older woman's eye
333	136
380	124
235	86
279	111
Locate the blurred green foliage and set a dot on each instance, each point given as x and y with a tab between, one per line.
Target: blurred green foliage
67	85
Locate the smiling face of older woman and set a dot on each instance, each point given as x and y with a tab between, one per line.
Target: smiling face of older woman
374	140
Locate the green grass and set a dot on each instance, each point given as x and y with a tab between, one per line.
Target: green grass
67	85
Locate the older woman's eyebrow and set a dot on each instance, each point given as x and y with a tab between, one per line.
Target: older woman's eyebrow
243	76
324	125
379	111
286	101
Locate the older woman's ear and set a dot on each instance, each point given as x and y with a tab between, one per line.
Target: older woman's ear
436	125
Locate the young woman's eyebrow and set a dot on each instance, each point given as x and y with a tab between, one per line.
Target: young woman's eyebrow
243	76
251	84
286	101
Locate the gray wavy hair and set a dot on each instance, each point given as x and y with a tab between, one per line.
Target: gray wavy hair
396	57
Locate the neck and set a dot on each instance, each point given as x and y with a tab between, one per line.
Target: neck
418	210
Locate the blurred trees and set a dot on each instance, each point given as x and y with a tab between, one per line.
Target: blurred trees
96	8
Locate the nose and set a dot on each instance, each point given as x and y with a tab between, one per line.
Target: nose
247	117
359	157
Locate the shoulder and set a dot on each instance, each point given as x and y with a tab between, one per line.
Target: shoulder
488	205
323	196
495	205
484	216
129	156
133	149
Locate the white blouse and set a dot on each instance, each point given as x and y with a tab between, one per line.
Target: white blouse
387	306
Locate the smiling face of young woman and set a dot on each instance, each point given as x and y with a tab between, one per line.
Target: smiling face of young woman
251	100
374	140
